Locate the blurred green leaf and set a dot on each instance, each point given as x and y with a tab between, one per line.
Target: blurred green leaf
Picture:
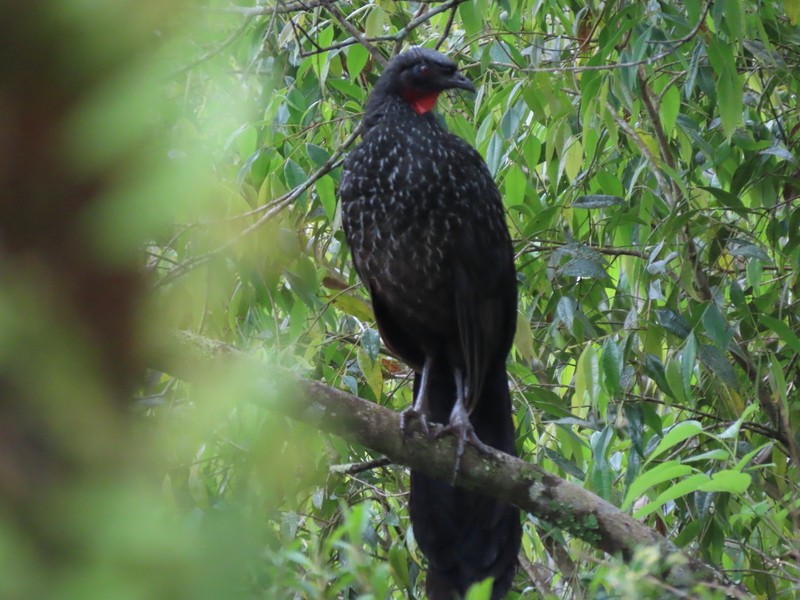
677	434
727	481
658	474
782	330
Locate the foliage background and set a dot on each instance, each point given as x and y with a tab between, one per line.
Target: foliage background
646	152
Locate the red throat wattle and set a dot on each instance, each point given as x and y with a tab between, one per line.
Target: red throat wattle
421	103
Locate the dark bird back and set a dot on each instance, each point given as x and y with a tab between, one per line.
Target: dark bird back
425	224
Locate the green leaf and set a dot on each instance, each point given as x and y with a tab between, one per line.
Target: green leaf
583	267
371	342
515	186
602	475
509	124
727	199
670	107
721	57
716	327
247	140
573	159
658	474
675	380
715	361
398	561
635	427
565	311
792	8
733	18
470	17
750	251
718	454
676	434
673	322
688	361
372	372
326	190
482	590
782	330
691	73
294	174
523	338
655	371
587	380
494	153
729	98
353	306
376	20
779	152
347	87
681	488
566	465
733	430
612	366
727	481
532	150
357	57
737	296
317	154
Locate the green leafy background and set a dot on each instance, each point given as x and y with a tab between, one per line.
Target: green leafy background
646	152
647	157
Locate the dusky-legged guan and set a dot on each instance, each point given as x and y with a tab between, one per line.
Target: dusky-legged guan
425	224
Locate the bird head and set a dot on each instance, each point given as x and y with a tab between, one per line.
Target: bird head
418	76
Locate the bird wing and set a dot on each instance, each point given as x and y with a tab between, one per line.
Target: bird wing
485	285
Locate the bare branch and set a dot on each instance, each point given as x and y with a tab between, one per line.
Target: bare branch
353	30
674	45
286	7
360	467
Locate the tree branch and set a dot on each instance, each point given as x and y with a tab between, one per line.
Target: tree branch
353	30
269	211
562	504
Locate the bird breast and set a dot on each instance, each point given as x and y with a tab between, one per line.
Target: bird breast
402	207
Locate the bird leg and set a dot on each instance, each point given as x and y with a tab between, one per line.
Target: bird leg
461	427
419	410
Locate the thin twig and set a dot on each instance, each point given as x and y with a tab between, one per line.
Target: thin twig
645	150
645	61
270	210
282	8
534	247
238	32
360	467
352	30
447	28
401	33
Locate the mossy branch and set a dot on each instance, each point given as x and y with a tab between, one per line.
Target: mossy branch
545	496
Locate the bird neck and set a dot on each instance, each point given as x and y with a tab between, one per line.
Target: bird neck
421	102
386	109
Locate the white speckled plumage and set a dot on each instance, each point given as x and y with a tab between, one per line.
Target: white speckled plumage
425	224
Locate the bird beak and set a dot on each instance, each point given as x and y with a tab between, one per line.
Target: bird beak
457	80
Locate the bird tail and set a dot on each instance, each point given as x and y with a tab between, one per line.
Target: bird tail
467	537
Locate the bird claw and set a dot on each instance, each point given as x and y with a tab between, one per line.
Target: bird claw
464	433
410	414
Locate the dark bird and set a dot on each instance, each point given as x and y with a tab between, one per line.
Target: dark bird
427	231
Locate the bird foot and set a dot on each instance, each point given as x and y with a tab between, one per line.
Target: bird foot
411	414
464	432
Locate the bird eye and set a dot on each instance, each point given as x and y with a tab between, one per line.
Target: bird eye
424	70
